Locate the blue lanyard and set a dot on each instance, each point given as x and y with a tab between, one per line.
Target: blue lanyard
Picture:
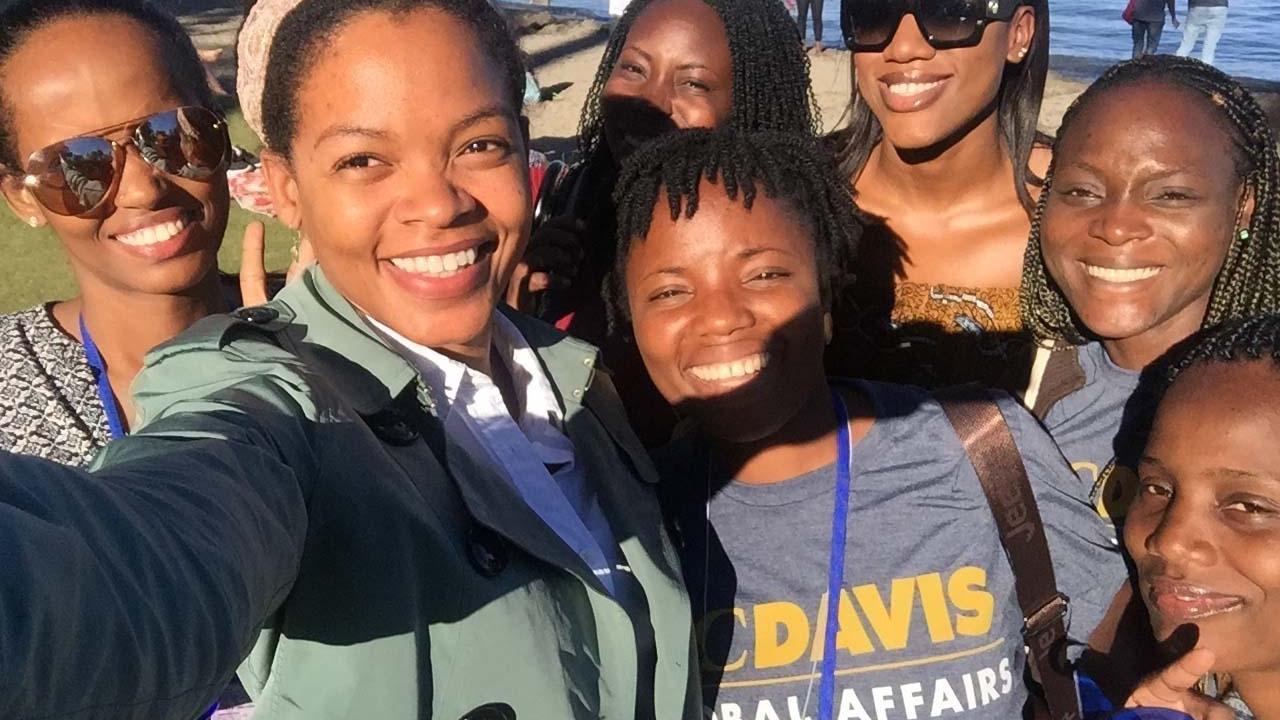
105	393
835	567
108	398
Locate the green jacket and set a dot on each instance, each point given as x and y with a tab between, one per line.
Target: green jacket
292	499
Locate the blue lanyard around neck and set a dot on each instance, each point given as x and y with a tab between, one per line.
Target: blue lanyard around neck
835	567
105	394
108	398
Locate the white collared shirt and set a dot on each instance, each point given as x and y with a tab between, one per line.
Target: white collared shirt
533	453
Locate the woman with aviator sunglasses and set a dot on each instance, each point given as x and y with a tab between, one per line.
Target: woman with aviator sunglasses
125	162
940	148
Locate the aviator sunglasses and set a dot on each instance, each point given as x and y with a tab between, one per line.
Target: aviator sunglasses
77	176
869	25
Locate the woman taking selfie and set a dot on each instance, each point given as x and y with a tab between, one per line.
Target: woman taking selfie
375	490
125	162
940	149
790	489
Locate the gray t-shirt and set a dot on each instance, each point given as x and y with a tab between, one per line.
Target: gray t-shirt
929	621
1104	420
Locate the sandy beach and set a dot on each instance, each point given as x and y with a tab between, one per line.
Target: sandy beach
564	46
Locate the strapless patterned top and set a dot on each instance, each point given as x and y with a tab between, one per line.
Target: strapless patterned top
932	335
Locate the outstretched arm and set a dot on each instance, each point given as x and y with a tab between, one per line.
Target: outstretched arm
134	591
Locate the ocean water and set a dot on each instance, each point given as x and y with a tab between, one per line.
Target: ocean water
1250	47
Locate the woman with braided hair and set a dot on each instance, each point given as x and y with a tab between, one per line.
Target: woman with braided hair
786	487
668	64
1160	216
1205	524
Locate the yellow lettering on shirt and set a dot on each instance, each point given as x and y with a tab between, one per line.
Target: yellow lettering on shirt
937	614
704	628
892	624
782	634
967	589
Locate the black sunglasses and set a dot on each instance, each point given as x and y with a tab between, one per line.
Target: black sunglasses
869	25
77	176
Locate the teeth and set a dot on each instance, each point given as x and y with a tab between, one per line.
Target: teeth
437	265
1121	275
912	88
744	367
154	234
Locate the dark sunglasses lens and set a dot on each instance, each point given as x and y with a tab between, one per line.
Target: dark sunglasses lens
870	23
187	142
73	176
951	22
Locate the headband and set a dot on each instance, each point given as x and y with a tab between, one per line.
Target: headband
253	48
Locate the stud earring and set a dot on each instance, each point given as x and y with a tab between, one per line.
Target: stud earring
1022	53
33	221
1243	235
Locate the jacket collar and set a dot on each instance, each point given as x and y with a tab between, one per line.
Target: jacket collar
331	324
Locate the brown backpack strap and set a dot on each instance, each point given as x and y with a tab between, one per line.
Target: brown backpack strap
995	457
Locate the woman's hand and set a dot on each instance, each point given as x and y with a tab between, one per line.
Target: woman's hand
253	271
550	261
1174	688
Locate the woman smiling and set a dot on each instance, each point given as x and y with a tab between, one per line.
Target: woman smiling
395	501
1160	216
840	553
941	149
125	161
1204	529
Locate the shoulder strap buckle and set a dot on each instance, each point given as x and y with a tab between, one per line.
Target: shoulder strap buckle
1056	610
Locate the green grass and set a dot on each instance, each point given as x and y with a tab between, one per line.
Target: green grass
35	268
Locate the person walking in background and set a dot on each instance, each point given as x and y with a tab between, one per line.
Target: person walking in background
803	7
1209	16
1148	23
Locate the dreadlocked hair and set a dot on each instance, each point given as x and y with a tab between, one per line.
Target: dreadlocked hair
1249	282
1236	341
771	89
786	167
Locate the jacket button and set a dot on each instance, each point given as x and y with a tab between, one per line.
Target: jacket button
257	315
396	432
492	711
488	554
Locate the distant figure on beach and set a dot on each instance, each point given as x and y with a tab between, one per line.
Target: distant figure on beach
803	7
1148	24
1209	16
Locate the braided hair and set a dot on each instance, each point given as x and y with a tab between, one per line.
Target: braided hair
786	167
1237	341
771	89
1249	281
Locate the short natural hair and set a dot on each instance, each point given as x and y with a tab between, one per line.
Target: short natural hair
788	167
